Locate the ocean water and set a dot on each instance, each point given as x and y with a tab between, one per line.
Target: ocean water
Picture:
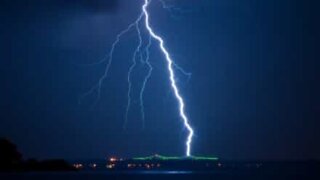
157	175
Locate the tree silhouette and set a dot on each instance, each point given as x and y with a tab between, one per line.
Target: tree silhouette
9	155
11	160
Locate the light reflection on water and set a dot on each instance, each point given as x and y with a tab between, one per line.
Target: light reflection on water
163	172
154	175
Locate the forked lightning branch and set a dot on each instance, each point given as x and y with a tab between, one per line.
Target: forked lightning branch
143	21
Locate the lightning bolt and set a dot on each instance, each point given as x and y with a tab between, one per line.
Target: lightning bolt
109	60
172	76
150	69
134	63
171	65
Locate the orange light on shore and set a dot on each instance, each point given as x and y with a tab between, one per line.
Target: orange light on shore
113	159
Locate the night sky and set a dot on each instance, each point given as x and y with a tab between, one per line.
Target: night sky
253	94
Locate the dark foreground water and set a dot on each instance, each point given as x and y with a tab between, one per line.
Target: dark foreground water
156	175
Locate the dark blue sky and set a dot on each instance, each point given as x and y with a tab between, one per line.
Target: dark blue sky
254	92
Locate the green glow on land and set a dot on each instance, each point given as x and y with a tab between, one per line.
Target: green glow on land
166	158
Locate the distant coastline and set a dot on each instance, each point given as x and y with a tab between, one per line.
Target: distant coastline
11	160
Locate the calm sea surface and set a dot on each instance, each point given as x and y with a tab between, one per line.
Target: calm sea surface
155	175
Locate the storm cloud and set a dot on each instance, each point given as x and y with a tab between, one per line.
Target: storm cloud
40	6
